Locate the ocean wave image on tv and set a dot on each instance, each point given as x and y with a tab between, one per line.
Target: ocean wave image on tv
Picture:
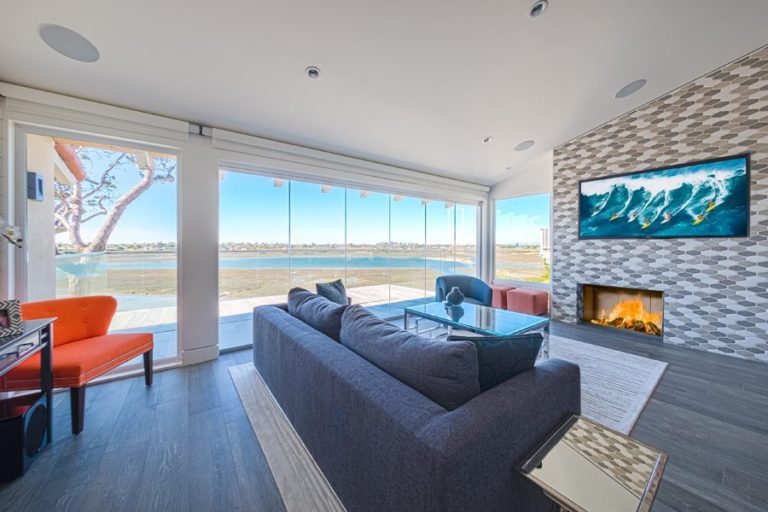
707	199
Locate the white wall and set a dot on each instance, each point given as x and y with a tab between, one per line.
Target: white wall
534	178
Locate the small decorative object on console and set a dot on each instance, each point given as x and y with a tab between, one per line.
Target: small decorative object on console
454	297
11	233
11	323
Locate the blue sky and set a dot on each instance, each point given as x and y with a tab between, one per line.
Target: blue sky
519	220
252	209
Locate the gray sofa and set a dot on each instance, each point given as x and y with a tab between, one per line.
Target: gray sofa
383	446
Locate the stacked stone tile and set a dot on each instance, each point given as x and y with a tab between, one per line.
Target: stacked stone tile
716	290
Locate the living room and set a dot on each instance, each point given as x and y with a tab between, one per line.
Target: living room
384	257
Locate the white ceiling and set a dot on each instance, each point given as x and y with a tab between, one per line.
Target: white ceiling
411	83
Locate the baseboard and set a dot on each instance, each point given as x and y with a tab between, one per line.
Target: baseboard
199	355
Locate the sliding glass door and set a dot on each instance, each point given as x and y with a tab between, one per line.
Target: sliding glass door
254	257
100	219
387	249
367	262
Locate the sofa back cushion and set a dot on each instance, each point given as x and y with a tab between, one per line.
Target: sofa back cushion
502	357
445	372
333	291
315	311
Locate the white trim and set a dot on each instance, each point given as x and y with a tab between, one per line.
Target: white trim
200	355
298	162
51	110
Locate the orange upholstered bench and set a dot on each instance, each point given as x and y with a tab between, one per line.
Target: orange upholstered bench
528	300
82	349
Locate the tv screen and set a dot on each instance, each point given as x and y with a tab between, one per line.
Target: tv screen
698	199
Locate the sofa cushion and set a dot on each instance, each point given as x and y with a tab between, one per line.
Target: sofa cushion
443	371
316	311
333	291
502	357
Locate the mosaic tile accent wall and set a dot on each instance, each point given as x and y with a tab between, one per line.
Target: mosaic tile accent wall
716	290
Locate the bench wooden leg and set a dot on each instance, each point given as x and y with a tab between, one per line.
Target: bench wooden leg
77	404
148	368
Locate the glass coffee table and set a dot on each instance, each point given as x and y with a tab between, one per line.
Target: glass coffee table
586	467
475	318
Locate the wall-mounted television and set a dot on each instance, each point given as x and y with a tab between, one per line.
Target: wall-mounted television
702	199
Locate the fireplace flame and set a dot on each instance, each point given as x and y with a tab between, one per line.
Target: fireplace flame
632	314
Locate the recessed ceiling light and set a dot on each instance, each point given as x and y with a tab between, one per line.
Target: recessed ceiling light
538	9
68	43
313	72
526	144
487	140
630	88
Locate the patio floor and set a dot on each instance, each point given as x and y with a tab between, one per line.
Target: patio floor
235	322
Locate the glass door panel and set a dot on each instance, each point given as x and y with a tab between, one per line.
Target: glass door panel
101	220
441	232
407	251
368	250
466	239
254	255
317	234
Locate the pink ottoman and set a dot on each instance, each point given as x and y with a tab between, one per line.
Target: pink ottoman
528	301
500	295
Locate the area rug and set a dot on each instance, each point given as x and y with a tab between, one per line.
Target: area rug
615	386
301	484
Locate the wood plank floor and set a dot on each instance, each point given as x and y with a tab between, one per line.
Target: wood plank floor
710	413
186	444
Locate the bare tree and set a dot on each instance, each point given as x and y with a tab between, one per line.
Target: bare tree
98	196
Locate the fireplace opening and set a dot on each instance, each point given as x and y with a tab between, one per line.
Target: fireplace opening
630	309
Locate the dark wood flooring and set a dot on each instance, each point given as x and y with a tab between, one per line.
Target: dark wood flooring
710	413
186	444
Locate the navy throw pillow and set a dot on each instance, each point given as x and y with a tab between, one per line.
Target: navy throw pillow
443	371
316	311
502	357
333	291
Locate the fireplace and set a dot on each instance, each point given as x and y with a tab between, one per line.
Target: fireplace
630	309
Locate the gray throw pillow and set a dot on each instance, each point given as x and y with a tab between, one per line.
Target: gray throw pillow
316	311
333	291
443	371
502	357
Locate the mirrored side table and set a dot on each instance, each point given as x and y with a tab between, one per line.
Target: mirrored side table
586	467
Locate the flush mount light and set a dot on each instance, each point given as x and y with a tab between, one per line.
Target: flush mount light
630	88
538	9
312	72
487	140
526	144
68	43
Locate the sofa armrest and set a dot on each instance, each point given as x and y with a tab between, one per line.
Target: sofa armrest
484	441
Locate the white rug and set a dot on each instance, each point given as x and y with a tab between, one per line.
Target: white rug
615	386
302	485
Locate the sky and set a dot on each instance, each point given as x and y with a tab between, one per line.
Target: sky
519	220
253	209
149	218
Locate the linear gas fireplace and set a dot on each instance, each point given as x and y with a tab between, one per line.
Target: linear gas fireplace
631	309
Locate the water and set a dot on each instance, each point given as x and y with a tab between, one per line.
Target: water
696	201
82	266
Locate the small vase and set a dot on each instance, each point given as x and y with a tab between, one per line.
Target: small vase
454	297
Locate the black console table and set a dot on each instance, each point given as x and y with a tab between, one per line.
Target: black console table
25	427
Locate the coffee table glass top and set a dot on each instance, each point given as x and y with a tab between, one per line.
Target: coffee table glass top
477	319
586	467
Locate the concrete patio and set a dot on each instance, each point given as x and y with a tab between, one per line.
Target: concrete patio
235	323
